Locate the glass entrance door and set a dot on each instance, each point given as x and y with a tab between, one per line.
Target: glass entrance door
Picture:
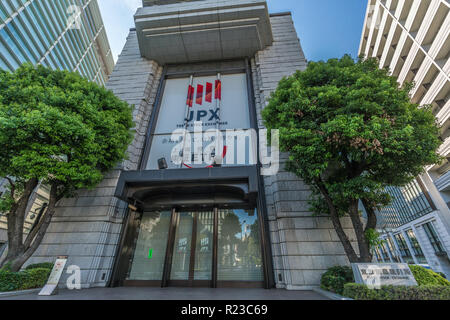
217	248
192	257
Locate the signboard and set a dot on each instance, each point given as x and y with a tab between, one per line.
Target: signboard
221	106
234	110
53	280
376	275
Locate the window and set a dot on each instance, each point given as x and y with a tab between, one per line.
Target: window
2	247
384	252
416	247
392	249
433	237
378	256
219	108
403	247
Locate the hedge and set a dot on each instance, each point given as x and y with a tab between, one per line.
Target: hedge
28	279
425	292
335	278
428	277
44	265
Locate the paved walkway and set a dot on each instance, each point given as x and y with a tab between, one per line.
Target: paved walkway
129	293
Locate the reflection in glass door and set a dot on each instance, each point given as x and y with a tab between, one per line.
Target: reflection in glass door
182	247
192	257
150	250
204	246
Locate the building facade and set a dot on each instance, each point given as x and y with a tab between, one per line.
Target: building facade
209	67
60	34
412	39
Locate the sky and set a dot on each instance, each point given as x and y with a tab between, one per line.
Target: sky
326	28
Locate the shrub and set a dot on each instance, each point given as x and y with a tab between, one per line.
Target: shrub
34	278
428	277
425	292
28	279
9	281
44	265
335	278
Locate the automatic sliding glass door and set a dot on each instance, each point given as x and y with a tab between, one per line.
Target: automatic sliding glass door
192	257
214	248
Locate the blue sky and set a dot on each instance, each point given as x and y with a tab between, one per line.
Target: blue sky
326	28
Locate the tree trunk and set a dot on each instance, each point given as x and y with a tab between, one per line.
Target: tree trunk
363	244
371	216
348	248
15	223
34	239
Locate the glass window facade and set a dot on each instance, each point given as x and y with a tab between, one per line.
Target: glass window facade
41	32
408	203
404	250
392	250
433	237
384	252
418	253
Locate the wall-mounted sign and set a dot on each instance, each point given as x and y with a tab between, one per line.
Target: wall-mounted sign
376	275
53	280
215	109
234	111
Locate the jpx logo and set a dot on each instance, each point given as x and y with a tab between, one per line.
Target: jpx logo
204	115
204	101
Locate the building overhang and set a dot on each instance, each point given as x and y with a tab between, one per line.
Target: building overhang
193	31
189	187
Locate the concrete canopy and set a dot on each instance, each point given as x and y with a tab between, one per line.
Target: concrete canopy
209	30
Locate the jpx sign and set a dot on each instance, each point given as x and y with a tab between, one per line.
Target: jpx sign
375	275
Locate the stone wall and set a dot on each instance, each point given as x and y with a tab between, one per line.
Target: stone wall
303	246
87	228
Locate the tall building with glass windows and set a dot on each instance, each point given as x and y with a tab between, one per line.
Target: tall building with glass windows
61	34
412	39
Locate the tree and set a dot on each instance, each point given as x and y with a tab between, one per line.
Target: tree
350	131
56	129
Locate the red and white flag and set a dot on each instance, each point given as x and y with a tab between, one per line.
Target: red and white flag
190	96
199	99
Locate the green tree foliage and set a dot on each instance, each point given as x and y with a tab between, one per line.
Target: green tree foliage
58	129
350	131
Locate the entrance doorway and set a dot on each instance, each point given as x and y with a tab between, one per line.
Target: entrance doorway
211	248
192	258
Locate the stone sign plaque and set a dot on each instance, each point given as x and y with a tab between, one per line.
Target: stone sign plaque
53	280
381	274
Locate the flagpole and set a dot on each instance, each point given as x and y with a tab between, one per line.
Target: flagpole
218	97
189	102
